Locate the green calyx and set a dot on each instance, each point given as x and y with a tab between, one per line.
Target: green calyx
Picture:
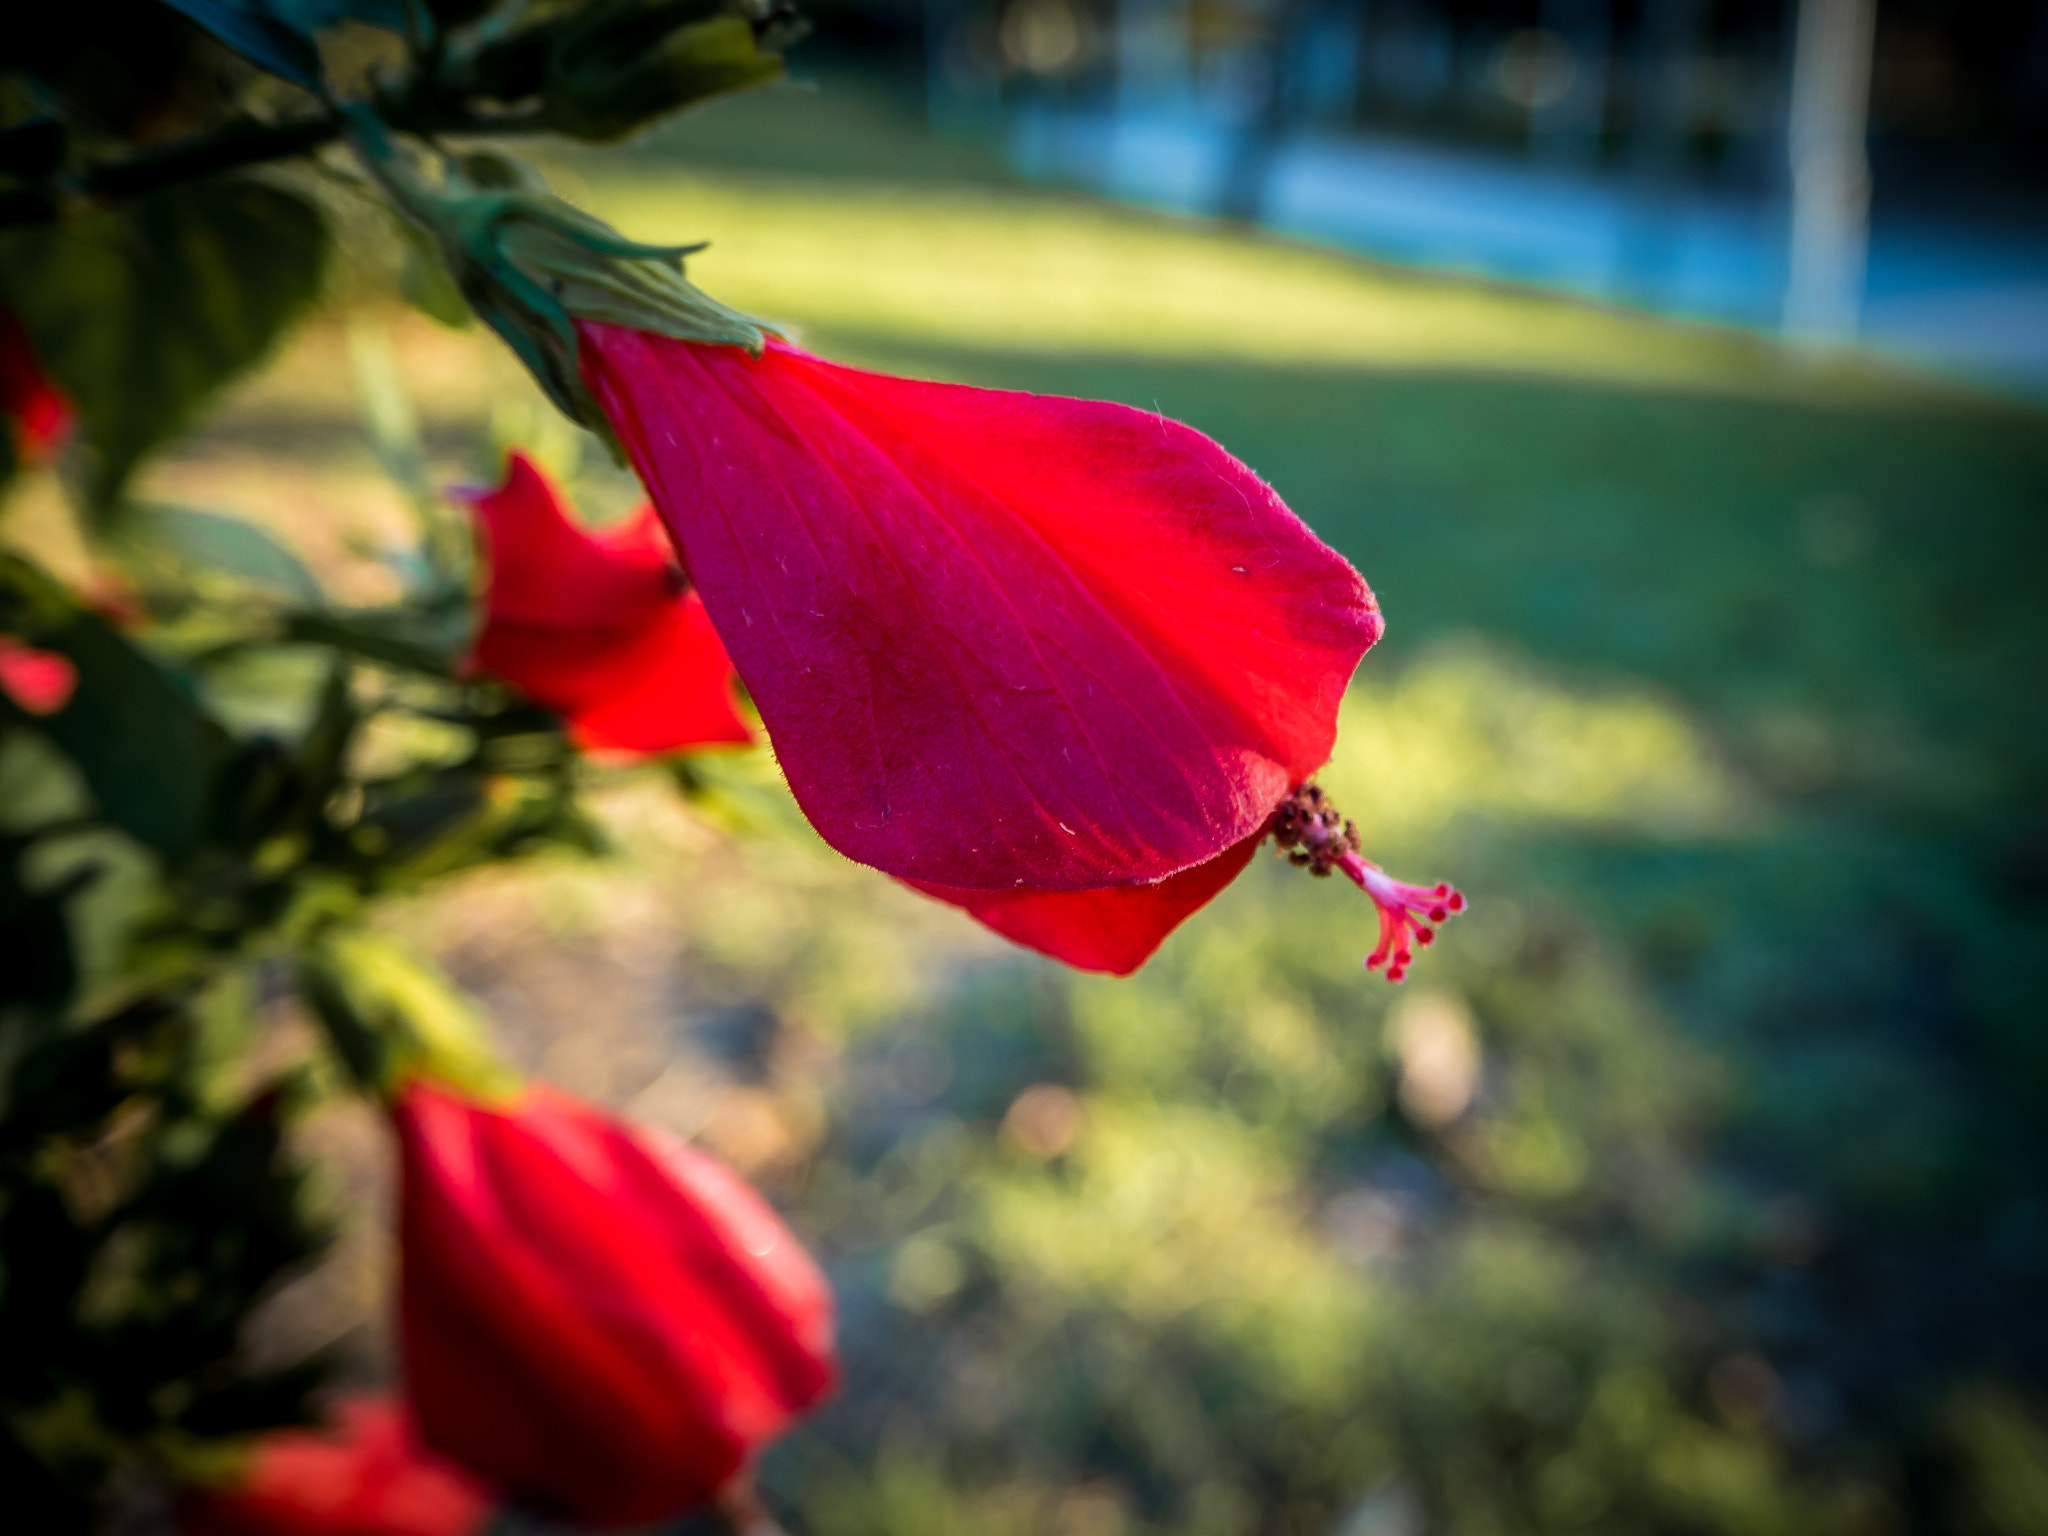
531	265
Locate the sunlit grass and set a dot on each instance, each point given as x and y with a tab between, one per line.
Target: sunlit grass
1054	274
1466	732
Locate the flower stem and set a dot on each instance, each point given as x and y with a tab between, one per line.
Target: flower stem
239	144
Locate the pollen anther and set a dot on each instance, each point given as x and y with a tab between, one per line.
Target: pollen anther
1315	836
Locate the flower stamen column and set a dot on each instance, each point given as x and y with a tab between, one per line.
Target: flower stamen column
1315	836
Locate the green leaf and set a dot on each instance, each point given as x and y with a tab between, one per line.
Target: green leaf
322	753
141	313
741	792
222	1025
632	61
445	557
389	416
428	638
146	750
211	543
393	1017
39	787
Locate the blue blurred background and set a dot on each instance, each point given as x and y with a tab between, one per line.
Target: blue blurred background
1841	170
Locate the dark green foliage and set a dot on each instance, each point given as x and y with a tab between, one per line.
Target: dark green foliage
148	1200
166	866
420	638
260	34
147	752
42	970
622	64
33	148
203	546
114	67
142	313
140	1221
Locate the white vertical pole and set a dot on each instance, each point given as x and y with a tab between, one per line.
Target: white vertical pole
1825	130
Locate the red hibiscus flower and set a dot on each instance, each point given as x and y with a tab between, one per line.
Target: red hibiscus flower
600	627
1059	662
606	1324
36	409
1024	652
365	1475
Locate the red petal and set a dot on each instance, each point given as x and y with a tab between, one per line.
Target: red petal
366	1475
544	569
666	687
597	626
38	409
681	698
995	637
1115	929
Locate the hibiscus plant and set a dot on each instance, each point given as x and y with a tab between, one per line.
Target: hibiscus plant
1062	664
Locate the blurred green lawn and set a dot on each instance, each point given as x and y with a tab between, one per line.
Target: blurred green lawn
1694	1183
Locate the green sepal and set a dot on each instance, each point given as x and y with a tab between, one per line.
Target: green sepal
531	266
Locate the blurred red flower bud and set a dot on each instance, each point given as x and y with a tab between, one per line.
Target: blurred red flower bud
39	682
600	627
35	408
605	1323
363	1475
